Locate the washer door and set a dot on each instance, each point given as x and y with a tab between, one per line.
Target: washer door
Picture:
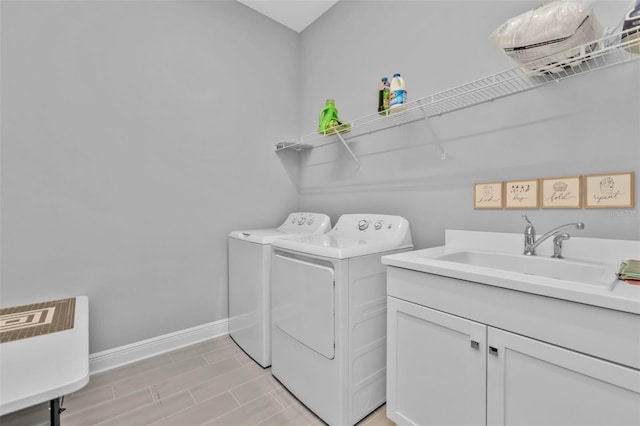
302	297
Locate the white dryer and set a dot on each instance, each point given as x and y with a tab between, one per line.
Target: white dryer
249	254
328	302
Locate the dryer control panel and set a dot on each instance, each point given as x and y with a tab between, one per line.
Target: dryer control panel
364	224
354	235
372	227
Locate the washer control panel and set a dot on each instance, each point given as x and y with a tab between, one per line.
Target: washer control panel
307	223
301	218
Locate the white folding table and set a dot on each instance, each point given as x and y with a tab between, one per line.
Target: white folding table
46	367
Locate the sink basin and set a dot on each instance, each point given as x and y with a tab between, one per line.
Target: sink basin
595	274
587	275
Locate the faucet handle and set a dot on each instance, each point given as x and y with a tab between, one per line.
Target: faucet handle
529	229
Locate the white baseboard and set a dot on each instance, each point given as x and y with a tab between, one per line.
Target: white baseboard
116	357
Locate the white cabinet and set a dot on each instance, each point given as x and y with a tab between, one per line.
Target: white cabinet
445	369
534	383
436	367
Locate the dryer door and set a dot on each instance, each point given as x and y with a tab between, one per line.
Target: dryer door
302	302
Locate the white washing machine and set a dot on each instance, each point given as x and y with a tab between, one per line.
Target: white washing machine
328	305
249	254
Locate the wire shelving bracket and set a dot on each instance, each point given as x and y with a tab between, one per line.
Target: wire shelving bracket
598	54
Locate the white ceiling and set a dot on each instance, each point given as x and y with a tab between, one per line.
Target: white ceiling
295	14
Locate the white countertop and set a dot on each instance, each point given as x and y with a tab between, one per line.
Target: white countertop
41	368
620	295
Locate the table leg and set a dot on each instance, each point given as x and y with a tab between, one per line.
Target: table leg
55	412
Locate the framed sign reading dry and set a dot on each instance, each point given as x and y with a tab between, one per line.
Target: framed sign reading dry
521	194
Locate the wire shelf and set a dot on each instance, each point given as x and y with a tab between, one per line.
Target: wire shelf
598	54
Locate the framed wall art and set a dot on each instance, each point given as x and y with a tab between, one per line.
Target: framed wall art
612	190
521	194
488	195
561	192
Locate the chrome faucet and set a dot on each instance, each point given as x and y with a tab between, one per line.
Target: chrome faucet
530	242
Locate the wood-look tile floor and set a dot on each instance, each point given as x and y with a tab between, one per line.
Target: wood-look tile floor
210	383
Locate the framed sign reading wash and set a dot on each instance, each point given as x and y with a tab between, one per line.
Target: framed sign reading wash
488	195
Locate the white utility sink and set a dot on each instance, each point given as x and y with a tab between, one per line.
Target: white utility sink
588	273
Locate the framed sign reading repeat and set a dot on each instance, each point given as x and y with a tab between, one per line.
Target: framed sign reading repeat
612	190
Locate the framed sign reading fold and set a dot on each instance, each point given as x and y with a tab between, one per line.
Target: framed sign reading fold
561	192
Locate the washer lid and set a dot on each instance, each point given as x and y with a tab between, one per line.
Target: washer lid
354	235
296	225
260	236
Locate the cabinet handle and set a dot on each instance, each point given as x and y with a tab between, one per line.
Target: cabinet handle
475	345
493	351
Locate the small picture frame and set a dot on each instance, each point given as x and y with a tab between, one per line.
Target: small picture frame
609	190
563	192
521	194
488	195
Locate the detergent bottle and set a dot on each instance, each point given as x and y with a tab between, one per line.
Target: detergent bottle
328	116
398	99
383	96
328	122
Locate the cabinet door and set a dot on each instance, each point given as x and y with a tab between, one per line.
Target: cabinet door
436	367
534	383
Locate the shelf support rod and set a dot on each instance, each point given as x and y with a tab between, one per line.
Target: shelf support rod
347	148
443	154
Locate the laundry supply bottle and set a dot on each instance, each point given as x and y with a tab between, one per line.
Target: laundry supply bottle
328	116
384	89
328	122
398	98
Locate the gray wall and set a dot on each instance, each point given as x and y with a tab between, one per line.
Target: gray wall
588	124
135	136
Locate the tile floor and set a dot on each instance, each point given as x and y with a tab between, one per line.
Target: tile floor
211	383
